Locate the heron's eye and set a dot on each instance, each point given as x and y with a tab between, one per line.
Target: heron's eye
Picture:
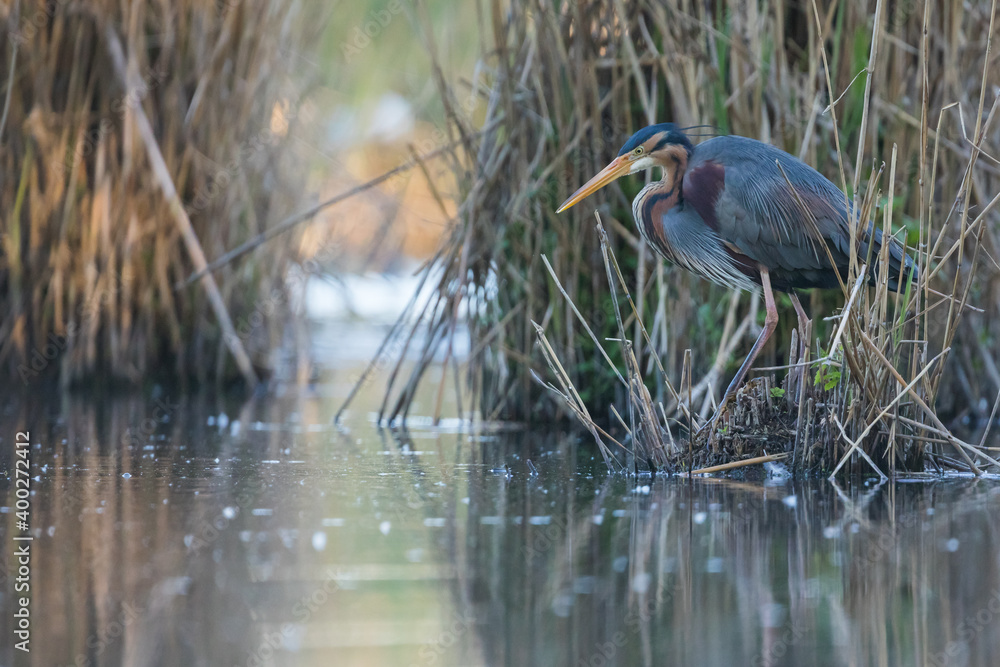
637	151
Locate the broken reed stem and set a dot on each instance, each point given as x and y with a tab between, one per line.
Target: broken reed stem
856	443
756	460
570	391
609	262
162	174
955	442
583	321
866	105
686	373
853	447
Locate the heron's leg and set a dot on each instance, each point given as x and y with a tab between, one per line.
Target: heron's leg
770	323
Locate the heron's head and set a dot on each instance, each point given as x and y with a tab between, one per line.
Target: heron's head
663	145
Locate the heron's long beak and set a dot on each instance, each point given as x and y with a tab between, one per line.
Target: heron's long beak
618	168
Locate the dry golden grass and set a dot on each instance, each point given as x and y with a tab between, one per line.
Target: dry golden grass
94	240
910	130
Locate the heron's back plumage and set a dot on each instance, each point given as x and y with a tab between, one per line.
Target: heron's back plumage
734	185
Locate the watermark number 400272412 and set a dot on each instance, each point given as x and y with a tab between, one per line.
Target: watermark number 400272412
22	542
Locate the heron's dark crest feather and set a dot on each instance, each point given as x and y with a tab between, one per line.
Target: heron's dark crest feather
671	135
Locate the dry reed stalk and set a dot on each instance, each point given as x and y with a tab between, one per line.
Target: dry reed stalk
725	467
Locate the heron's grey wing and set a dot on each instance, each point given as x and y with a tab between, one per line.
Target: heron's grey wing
682	236
762	212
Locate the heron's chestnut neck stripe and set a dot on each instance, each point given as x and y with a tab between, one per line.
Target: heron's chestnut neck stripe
657	198
660	199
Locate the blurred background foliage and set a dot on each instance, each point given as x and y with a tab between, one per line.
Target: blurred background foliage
381	107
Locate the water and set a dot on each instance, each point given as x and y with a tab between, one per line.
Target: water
208	532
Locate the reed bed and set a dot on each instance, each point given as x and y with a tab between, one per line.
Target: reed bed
897	107
137	142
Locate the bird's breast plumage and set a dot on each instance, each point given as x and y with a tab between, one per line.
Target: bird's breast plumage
676	231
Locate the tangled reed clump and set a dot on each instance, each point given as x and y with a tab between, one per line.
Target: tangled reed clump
138	140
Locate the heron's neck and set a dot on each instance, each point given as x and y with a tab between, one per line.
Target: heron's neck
673	162
660	196
657	198
671	180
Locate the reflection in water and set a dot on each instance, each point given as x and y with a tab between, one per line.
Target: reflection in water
187	533
720	572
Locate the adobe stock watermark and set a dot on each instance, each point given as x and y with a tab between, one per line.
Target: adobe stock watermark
399	513
263	310
92	138
431	653
219	181
541	538
302	612
607	652
970	627
380	364
778	649
439	139
55	344
30	26
903	11
103	639
584	161
210	529
374	23
879	546
282	295
140	435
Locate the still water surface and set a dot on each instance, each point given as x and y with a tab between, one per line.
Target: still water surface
207	532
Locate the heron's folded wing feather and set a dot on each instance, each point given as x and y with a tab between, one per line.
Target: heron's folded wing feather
779	217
